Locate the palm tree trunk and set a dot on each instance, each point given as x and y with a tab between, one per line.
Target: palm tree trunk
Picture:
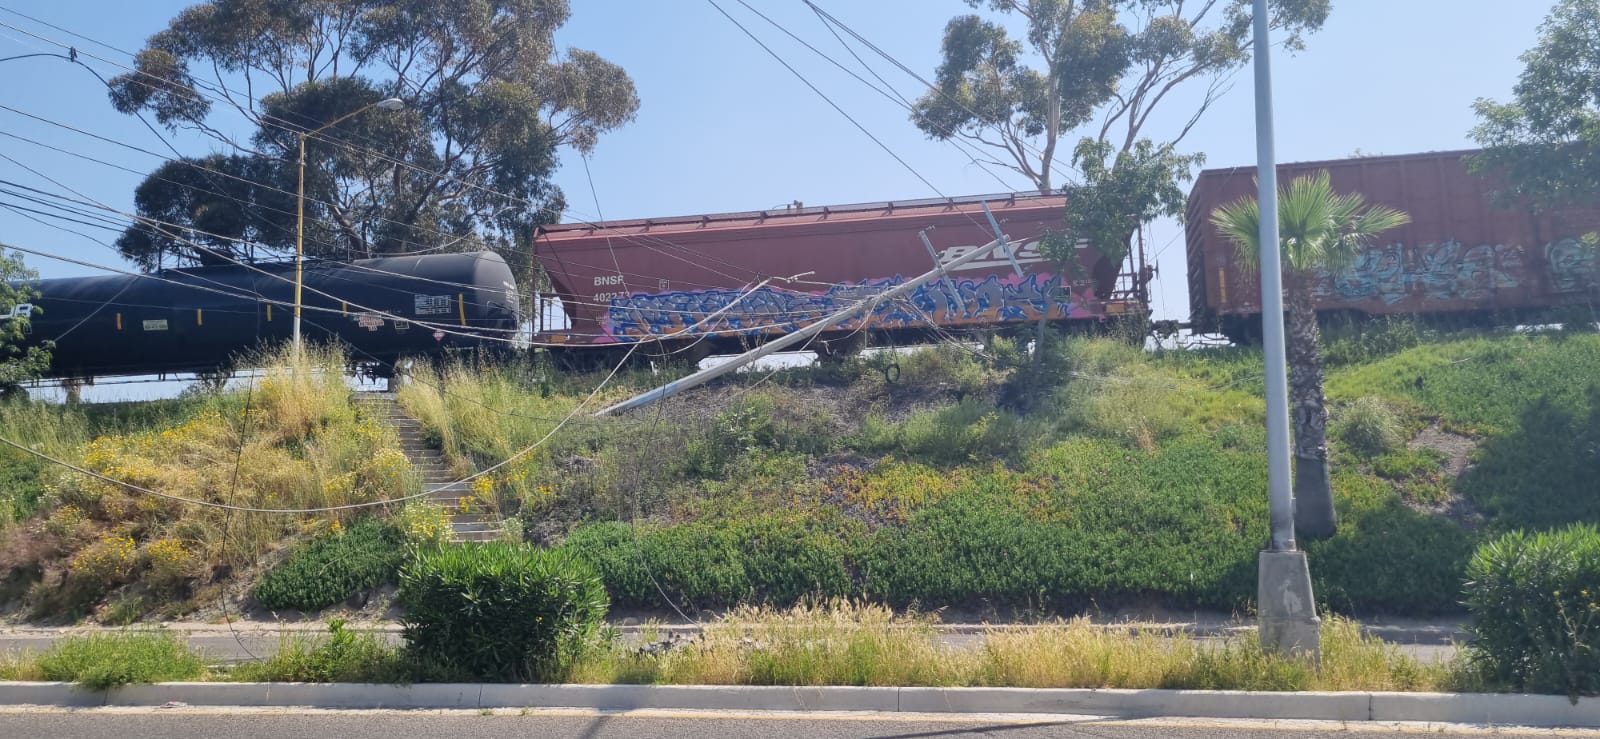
1314	516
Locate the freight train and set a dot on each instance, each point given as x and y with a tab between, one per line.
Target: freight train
691	286
1461	258
718	283
191	320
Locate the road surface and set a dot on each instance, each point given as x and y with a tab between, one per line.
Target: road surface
190	723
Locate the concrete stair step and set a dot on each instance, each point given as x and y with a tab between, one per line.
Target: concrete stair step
476	536
469	519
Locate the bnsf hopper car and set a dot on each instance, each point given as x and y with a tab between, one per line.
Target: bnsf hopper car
1461	256
640	280
196	319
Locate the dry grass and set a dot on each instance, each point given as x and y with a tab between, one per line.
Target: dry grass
292	441
849	644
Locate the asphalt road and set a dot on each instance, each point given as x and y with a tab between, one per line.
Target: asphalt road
187	723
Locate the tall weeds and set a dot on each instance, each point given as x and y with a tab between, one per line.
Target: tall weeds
291	441
852	644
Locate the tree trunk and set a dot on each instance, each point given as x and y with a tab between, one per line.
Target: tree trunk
1314	516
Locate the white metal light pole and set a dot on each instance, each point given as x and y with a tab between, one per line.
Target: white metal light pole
300	216
1285	606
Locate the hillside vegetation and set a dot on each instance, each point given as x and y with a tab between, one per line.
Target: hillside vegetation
1101	477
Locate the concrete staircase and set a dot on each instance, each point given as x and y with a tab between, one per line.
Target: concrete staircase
429	462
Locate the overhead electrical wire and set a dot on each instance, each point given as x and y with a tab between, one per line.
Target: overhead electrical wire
892	95
649	241
379	154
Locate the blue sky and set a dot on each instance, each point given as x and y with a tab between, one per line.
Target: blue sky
723	126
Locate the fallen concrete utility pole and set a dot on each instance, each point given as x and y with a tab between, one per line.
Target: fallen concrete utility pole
777	345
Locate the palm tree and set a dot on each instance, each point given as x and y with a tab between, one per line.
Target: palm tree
1319	229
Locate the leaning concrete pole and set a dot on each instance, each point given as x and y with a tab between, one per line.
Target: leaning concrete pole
777	345
1287	612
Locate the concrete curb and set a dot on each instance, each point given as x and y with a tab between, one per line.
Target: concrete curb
1457	708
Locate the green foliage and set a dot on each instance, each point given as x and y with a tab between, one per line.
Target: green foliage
1370	426
1118	191
333	567
108	659
1535	605
944	367
1355	573
1109	63
1480	385
1319	227
343	656
1369	342
499	611
18	361
1135	405
1089	521
21	485
778	559
754	424
1545	142
1543	473
971	430
496	102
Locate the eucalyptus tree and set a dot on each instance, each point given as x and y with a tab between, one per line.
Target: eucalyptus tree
1319	229
1101	68
1546	141
488	100
18	361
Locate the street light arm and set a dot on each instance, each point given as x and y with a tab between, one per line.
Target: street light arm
386	104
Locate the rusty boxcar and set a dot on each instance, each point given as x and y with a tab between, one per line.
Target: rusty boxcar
1460	256
723	281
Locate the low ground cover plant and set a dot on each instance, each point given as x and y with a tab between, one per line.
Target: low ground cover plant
334	566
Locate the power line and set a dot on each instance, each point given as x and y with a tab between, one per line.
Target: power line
291	127
895	97
825	98
829	19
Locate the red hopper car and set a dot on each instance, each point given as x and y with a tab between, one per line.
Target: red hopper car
628	281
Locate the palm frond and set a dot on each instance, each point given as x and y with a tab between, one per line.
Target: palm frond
1240	223
1318	227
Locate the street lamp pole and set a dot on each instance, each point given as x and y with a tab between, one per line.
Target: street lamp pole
1285	607
300	215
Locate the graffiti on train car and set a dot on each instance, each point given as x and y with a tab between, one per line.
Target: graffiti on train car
947	301
1574	265
1451	271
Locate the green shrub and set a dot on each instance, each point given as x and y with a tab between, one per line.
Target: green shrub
1370	427
499	611
107	659
343	656
334	567
776	559
1535	605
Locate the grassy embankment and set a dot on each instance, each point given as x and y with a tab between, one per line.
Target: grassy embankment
1107	477
1104	477
71	544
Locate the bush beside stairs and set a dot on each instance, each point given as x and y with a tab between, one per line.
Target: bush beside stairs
444	489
